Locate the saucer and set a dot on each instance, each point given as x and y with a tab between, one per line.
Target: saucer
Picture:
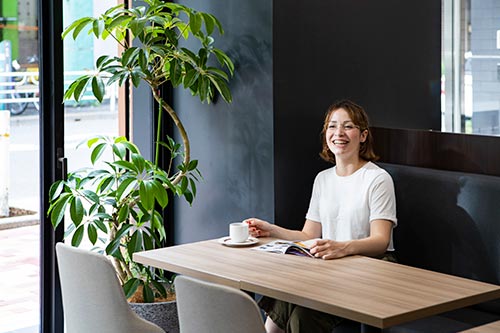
228	242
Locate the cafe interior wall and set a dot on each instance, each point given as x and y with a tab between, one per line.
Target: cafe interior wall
259	155
233	142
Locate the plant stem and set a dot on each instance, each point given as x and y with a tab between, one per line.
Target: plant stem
187	150
158	132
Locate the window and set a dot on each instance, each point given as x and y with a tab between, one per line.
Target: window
470	80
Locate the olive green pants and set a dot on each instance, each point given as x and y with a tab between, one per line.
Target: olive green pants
295	318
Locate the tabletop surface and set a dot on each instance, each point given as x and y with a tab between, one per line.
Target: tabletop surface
363	289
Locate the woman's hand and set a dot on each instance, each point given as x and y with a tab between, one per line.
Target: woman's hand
329	249
259	228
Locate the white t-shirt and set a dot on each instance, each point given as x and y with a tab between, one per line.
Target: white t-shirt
345	206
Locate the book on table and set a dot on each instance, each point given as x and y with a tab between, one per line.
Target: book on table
298	248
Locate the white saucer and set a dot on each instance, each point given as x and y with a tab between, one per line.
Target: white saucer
228	242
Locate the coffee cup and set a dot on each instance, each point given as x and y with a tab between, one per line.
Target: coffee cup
238	232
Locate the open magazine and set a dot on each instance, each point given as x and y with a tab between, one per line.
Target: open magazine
299	248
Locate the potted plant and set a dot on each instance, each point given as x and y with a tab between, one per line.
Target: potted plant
116	202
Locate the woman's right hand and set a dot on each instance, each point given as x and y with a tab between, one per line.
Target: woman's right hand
259	228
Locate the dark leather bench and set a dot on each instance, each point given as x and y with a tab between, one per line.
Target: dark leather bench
449	222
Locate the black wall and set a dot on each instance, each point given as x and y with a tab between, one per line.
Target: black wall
233	143
385	55
294	58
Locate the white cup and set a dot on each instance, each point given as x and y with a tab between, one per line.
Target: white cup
238	232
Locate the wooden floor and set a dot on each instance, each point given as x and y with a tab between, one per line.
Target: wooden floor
19	279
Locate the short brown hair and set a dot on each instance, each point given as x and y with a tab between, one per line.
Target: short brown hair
359	118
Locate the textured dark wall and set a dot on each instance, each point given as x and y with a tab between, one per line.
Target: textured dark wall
233	143
385	55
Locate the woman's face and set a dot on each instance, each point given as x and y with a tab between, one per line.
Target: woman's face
343	137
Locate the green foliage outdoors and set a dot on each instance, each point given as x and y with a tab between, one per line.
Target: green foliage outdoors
118	202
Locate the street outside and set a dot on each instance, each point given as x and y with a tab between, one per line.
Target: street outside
19	247
80	124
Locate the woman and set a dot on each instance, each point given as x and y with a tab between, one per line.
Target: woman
352	210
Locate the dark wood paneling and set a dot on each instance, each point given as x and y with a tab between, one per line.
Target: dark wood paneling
444	151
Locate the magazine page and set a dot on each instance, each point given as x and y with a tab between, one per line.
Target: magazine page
287	247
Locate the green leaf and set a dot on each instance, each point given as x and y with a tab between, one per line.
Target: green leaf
146	194
105	184
99	224
148	294
184	184
76	211
98	88
193	186
161	289
130	146
195	20
130	287
55	189
126	187
97	152
175	72
161	194
191	76
119	21
157	222
203	89
139	162
114	246
222	88
192	165
92	233
126	165
209	23
224	60
92	141
104	216
123	213
91	196
81	87
129	56
77	236
74	25
119	150
189	197
98	27
59	209
135	243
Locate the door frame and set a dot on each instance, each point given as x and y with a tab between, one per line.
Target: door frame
50	16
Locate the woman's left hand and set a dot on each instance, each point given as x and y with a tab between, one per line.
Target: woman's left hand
329	249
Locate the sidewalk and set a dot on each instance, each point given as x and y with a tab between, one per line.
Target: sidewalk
19	280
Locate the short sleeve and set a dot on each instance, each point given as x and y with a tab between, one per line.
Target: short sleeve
313	213
383	199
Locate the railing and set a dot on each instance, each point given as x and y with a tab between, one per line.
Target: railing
22	87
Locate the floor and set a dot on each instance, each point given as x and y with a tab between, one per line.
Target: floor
19	280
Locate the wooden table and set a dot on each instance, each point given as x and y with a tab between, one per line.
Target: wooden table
367	290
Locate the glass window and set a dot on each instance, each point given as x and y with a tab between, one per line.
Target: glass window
470	94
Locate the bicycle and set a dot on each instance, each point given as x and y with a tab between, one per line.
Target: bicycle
23	87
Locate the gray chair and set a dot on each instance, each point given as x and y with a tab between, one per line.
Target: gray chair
93	300
212	308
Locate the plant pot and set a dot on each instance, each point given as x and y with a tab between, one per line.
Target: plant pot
163	314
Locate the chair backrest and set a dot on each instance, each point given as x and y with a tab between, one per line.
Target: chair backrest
93	299
212	308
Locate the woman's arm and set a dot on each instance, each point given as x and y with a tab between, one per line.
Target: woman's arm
260	228
373	245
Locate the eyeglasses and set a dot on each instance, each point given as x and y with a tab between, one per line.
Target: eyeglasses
345	126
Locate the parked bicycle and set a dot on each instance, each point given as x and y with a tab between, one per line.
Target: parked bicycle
24	88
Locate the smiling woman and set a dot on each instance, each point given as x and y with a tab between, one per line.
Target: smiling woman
352	211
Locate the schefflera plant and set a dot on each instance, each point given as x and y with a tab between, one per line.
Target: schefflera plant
119	201
116	203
